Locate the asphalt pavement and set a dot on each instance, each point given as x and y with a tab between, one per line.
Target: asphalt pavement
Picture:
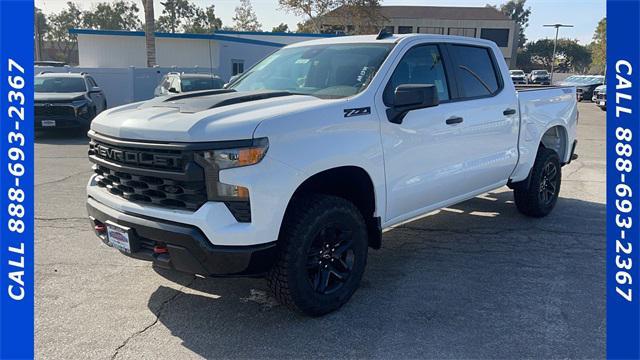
477	280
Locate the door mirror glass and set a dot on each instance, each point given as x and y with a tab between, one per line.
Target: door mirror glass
95	89
409	97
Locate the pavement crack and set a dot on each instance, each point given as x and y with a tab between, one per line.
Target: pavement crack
155	321
64	178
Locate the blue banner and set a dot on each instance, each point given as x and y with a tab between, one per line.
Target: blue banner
16	179
623	183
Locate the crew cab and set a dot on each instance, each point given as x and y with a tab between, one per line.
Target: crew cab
66	100
295	169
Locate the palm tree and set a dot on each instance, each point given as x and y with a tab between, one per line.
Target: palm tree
149	32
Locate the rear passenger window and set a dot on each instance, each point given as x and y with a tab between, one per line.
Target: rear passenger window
420	65
475	71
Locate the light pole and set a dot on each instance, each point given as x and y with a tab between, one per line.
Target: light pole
555	45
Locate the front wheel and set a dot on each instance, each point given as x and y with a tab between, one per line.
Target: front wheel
540	197
322	254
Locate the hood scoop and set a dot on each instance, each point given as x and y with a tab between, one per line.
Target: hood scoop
209	99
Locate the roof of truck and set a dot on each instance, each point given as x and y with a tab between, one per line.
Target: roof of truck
393	38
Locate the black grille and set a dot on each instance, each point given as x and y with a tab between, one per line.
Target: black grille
188	195
54	110
146	158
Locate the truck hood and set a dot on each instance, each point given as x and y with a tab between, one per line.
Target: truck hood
209	116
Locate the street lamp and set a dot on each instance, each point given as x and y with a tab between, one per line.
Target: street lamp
555	44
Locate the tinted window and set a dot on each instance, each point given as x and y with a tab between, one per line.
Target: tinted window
420	65
405	29
498	36
475	71
59	84
470	32
431	30
92	82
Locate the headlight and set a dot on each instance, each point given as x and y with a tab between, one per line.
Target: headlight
81	106
231	158
215	160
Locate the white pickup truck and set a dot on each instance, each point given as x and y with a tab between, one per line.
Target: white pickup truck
295	169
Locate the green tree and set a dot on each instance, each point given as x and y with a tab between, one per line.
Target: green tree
59	25
281	28
175	14
245	18
310	10
599	46
119	15
570	56
359	16
203	22
516	11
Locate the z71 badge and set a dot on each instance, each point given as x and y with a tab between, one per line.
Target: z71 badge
357	112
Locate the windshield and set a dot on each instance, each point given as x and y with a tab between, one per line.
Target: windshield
196	84
324	71
540	72
517	72
59	85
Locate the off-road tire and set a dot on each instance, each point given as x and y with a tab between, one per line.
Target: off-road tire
291	279
528	199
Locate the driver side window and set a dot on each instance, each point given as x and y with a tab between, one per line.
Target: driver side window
420	65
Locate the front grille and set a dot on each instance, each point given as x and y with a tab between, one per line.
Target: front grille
54	110
188	195
146	158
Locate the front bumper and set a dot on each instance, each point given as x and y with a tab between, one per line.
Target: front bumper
65	116
187	248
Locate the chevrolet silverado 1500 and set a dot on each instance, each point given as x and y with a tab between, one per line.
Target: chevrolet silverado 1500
294	170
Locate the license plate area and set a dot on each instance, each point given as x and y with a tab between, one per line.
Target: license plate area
48	123
119	236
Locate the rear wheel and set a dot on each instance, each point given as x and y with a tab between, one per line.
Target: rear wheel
322	254
540	197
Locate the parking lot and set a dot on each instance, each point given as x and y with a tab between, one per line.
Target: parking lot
477	280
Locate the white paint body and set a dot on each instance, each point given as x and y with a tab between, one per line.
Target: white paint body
416	167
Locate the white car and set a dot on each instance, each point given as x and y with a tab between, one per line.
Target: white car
297	167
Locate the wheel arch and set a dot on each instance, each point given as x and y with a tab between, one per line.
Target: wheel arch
556	138
350	182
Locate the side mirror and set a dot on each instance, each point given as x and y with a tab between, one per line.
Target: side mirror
95	89
409	97
173	90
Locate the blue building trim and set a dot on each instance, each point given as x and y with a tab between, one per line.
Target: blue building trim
268	33
176	36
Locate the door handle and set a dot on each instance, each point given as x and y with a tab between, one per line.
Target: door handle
509	112
454	120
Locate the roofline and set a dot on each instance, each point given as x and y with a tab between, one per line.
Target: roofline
176	36
270	33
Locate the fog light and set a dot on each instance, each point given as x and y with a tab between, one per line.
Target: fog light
234	191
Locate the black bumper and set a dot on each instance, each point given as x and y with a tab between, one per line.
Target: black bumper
187	248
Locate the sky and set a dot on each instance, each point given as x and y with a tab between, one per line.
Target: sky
583	14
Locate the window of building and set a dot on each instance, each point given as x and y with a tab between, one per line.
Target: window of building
405	29
420	65
470	32
237	66
498	36
475	70
389	29
431	30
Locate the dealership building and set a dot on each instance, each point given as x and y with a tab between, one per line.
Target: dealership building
479	22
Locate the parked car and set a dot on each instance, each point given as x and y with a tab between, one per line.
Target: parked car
50	63
175	83
296	168
539	77
66	100
585	85
518	77
596	91
601	98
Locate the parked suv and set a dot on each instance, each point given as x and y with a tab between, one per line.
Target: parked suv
66	100
174	83
518	77
539	77
296	168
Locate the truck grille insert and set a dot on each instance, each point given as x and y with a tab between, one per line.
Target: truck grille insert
187	195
